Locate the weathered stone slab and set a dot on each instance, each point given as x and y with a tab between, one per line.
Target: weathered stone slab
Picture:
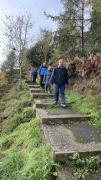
84	132
37	90
41	95
29	82
64	173
64	143
33	86
90	150
40	103
47	118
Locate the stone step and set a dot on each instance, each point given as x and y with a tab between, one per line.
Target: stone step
59	117
36	90
43	103
28	82
41	95
65	172
33	86
48	103
66	141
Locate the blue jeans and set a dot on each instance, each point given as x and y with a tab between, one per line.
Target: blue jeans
59	89
47	87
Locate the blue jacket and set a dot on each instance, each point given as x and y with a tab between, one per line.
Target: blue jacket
47	77
42	70
60	76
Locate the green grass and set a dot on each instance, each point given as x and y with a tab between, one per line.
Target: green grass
22	153
84	166
27	135
24	116
14	102
35	165
11	165
38	165
86	104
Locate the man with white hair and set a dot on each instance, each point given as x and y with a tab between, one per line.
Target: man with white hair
60	79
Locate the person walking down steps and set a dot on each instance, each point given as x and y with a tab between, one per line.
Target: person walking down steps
60	79
34	75
41	72
47	79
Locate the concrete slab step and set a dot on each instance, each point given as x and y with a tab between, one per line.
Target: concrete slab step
64	173
43	103
36	90
64	143
42	95
33	86
59	118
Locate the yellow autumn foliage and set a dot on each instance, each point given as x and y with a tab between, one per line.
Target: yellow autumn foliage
2	78
96	4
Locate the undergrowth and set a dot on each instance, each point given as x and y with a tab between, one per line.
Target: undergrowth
37	164
88	104
24	116
84	166
22	153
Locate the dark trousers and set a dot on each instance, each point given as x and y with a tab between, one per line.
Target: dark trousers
59	89
47	87
34	78
41	82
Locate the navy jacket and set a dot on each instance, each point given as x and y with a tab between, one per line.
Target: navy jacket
60	76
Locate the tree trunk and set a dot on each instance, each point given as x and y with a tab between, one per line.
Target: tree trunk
20	82
45	58
82	43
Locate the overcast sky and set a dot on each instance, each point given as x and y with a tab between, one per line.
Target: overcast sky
35	8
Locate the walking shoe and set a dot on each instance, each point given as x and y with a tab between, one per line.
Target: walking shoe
48	92
55	103
63	105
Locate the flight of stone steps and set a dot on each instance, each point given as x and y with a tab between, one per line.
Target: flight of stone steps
66	131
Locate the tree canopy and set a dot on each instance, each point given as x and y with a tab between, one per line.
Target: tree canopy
42	51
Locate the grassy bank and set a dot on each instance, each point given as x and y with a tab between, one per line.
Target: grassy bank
89	104
22	154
